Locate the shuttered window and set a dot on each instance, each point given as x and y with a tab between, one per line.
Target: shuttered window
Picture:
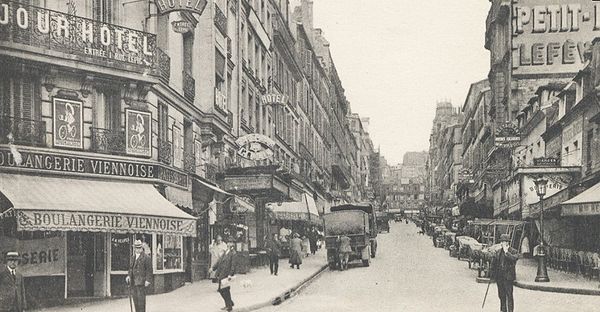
20	96
102	10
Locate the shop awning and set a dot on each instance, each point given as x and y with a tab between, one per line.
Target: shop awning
313	211
584	204
67	204
289	210
243	205
213	187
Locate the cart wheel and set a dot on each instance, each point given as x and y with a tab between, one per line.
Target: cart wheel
366	262
332	266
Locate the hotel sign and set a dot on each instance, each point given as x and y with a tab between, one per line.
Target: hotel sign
86	165
255	146
191	6
552	36
98	42
274	99
43	220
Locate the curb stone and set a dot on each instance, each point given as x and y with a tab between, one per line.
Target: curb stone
287	294
565	290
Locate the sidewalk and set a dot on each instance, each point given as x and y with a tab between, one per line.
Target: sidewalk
203	296
559	281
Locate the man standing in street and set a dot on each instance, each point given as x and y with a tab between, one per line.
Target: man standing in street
225	270
274	249
12	288
504	264
345	250
140	275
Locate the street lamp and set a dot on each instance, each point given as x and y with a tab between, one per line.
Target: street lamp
542	272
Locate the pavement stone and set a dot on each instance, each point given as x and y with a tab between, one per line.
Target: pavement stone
261	289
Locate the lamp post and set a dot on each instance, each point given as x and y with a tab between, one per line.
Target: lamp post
542	271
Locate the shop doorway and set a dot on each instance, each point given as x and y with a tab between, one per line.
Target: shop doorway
86	264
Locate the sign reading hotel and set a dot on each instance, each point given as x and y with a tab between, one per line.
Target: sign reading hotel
255	146
274	99
552	36
138	125
43	220
168	6
57	31
68	123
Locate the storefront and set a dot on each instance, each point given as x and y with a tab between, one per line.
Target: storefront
78	232
582	213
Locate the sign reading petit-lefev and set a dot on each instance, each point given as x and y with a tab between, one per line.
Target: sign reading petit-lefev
68	123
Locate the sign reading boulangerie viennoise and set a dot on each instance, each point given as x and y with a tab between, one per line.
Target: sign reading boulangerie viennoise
138	125
68	123
51	220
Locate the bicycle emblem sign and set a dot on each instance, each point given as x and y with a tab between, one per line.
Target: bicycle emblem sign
138	125
68	123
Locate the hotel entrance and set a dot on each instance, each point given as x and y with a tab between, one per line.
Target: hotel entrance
86	265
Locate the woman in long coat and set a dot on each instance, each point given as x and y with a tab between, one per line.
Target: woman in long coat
296	251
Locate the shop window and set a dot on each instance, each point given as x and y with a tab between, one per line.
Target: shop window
120	251
169	252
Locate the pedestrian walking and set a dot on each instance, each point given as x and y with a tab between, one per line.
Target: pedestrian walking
504	263
274	252
295	251
305	246
12	288
139	276
217	249
225	271
313	236
345	250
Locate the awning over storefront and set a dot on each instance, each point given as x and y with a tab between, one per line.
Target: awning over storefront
66	204
313	211
242	205
584	204
300	210
213	187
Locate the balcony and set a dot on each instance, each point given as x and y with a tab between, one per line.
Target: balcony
108	141
189	162
163	66
165	152
189	86
24	131
129	49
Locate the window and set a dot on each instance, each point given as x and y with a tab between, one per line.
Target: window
102	10
108	109
120	254
163	122
20	96
188	52
169	252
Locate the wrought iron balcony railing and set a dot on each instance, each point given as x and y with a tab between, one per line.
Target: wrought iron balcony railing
165	152
108	141
189	86
189	162
24	131
163	65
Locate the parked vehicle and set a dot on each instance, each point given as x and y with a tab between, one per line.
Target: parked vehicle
358	222
383	222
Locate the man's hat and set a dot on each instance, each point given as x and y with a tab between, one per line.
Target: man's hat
505	238
12	255
137	243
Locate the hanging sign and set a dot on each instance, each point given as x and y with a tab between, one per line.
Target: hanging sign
168	6
182	27
68	123
137	132
507	134
274	99
255	146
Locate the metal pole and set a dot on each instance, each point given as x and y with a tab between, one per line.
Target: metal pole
542	271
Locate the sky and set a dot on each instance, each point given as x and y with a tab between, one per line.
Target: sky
397	58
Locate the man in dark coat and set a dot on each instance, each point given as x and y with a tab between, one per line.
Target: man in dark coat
225	270
274	252
12	288
504	266
140	275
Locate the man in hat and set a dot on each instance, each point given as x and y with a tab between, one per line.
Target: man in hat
12	288
225	270
140	275
504	266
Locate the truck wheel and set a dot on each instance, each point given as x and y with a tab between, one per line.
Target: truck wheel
366	262
332	266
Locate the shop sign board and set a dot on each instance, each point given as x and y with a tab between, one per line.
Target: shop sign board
42	161
38	257
52	220
182	27
546	162
191	6
255	146
552	36
556	183
584	209
68	123
138	126
107	44
507	134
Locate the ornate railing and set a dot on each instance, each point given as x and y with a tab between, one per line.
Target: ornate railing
24	131
108	141
189	162
165	152
210	172
189	86
163	65
91	40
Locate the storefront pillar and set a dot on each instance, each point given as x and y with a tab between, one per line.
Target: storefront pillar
262	221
